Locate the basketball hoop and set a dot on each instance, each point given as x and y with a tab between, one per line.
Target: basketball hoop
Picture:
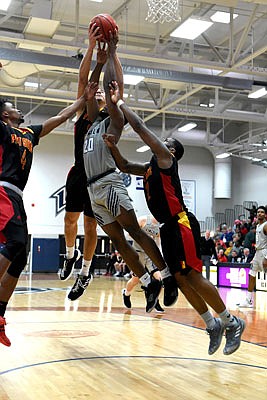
162	11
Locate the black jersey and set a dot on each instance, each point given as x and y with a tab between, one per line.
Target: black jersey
81	127
163	190
16	148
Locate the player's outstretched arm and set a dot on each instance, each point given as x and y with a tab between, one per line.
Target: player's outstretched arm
121	162
85	66
164	157
67	112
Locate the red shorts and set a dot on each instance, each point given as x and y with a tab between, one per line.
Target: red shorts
180	242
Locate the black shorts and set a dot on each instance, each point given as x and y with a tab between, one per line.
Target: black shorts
180	242
13	221
77	197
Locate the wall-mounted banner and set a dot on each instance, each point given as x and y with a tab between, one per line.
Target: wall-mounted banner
188	190
60	197
189	194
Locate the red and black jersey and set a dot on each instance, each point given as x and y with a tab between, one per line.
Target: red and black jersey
80	129
16	151
163	190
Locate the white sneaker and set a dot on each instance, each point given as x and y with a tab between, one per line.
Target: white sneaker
246	304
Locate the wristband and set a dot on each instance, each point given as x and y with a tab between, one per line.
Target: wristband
119	103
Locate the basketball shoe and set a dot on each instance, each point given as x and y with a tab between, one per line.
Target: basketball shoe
68	266
126	299
3	338
233	336
216	335
170	291
158	308
81	283
152	291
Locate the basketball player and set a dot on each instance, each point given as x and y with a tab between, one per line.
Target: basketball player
180	232
259	261
16	148
110	201
151	226
77	197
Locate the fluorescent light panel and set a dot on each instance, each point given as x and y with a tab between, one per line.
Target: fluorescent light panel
142	149
5	4
187	127
132	79
223	17
191	28
258	93
31	84
223	155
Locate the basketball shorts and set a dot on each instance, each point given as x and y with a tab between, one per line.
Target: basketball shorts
256	264
180	242
108	195
13	225
77	196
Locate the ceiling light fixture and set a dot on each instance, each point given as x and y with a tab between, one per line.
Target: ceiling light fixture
132	79
223	155
31	84
191	28
187	127
258	93
222	17
142	149
5	4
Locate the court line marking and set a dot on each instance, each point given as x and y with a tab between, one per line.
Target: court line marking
155	318
130	357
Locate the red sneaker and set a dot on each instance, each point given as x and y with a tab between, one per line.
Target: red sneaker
3	338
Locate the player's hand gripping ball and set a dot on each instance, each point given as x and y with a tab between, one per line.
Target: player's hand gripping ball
106	25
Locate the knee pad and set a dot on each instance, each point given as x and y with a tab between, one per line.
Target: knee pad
18	264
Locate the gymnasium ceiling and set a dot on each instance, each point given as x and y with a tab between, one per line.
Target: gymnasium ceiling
206	80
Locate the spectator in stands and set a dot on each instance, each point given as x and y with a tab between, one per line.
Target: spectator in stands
233	257
237	246
247	256
259	261
119	266
110	269
250	239
252	212
207	251
227	234
229	249
222	257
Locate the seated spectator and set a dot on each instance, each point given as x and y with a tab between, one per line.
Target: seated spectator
110	269
233	257
229	248
221	256
237	246
247	256
250	239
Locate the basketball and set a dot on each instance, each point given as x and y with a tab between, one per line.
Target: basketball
106	24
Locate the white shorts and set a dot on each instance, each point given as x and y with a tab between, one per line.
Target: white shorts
256	264
108	195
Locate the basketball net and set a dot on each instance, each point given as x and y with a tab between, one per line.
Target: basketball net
162	11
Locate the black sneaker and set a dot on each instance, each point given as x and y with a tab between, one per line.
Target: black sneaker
158	308
69	265
152	293
79	286
216	335
233	336
170	291
126	299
